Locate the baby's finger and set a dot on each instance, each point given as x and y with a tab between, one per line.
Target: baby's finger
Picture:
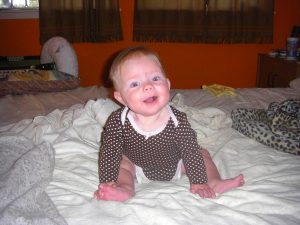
213	193
207	193
201	193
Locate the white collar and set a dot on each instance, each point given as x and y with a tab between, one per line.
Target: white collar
147	134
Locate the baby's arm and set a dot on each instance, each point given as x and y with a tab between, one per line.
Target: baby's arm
121	190
203	190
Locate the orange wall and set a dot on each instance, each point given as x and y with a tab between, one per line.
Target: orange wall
187	65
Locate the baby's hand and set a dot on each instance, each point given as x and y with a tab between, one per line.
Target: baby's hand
203	190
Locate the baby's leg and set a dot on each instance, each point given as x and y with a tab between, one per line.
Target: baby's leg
214	179
123	189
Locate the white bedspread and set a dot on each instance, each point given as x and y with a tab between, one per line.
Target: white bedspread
271	194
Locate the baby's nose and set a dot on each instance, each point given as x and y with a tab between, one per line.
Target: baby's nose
148	87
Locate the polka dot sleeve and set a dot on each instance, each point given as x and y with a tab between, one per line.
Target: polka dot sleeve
190	150
110	154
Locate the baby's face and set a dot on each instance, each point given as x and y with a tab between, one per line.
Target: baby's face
142	86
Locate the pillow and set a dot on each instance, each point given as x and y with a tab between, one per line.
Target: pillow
295	84
60	51
32	81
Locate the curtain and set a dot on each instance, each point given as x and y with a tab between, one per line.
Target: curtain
204	21
80	20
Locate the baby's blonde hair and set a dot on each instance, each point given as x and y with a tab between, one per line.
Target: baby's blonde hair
130	53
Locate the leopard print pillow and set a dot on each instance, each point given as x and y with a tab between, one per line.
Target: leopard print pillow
277	127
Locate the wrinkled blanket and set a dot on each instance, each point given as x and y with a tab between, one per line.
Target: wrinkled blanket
277	127
270	195
25	172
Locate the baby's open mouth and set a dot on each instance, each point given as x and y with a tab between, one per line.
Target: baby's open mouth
150	99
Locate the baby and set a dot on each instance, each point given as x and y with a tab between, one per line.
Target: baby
148	139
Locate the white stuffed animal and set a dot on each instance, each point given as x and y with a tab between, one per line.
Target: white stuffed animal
60	51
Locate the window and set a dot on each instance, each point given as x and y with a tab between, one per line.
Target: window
204	21
19	4
19	9
80	20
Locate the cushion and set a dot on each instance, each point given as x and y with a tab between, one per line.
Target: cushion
277	127
60	51
32	81
295	83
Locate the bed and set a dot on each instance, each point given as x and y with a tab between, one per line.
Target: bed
49	152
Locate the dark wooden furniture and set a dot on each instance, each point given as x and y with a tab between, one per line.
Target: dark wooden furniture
276	71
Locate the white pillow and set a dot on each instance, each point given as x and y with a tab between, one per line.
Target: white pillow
295	83
60	51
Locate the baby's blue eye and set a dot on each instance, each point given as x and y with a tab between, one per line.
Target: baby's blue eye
156	78
134	84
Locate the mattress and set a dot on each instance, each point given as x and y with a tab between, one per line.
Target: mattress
66	127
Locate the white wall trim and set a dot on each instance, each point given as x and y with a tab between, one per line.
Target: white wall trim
19	13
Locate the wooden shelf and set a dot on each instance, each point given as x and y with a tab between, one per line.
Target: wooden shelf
275	71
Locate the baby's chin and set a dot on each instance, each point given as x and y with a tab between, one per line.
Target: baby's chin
153	111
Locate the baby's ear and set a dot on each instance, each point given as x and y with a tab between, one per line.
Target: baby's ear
169	83
118	97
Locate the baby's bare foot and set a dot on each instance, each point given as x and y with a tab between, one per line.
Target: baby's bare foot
112	193
221	186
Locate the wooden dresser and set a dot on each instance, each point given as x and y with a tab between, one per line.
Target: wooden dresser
276	71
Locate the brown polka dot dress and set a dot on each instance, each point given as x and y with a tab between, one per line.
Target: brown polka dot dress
158	154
